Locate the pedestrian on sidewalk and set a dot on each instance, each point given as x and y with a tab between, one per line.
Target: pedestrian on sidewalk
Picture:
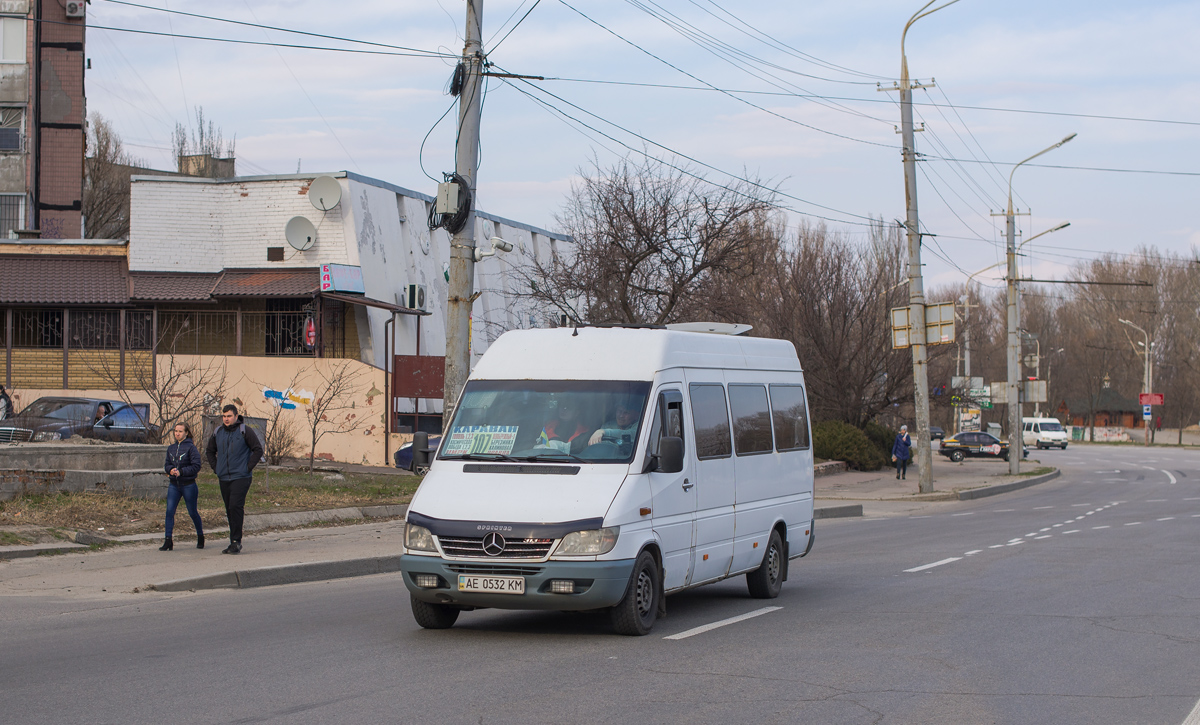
901	452
6	404
232	452
183	463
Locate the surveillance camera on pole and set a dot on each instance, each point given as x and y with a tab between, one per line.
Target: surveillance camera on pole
498	245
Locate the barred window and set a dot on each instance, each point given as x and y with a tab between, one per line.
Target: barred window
12	121
12	209
37	328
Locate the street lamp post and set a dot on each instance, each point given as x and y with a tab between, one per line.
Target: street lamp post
1147	371
916	291
1014	324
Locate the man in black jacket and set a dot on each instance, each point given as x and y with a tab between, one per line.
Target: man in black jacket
232	452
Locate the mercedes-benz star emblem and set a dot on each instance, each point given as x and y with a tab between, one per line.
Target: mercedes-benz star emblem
493	544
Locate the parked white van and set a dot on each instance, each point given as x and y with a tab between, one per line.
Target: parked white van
605	467
1044	433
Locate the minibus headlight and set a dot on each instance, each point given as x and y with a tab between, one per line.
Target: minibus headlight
418	538
589	543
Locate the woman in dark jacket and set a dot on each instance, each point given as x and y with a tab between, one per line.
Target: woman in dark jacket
183	463
902	452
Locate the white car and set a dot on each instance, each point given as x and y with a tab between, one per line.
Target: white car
1044	433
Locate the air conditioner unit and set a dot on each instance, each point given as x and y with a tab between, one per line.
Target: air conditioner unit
416	297
76	8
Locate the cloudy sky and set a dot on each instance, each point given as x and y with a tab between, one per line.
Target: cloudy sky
797	105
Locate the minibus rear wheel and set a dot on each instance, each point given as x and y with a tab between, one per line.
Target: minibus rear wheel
636	612
766	581
433	616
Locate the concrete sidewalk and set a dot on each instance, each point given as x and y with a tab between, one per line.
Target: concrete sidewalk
311	554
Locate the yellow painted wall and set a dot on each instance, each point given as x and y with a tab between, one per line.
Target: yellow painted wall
245	378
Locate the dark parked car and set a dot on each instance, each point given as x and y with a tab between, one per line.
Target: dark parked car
936	433
404	454
975	444
52	419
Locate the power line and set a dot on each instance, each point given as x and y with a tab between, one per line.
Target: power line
530	10
869	100
698	80
422	54
270	27
869	220
927	157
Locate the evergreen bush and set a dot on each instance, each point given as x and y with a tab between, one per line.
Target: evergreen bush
838	441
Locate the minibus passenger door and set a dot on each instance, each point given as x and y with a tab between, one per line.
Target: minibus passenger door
674	494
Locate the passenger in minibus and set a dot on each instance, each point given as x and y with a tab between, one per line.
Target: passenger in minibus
566	432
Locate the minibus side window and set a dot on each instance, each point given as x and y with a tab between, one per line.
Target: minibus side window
710	418
791	417
668	419
751	419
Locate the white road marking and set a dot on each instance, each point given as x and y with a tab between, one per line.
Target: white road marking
930	566
1089	513
1003	511
1196	516
1081	504
969	513
1072	531
918	517
1152	468
1169	475
1039	508
1055	526
732	620
1156	500
1045	529
1193	717
1001	546
972	552
1077	518
1016	539
1014	543
1030	535
1133	523
1167	518
1193	498
1047	536
1099	527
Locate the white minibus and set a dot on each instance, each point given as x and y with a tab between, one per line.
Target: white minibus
1044	433
602	468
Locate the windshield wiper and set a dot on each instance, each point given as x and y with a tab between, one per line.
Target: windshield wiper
481	457
552	456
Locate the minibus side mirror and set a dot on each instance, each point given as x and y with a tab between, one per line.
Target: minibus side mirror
420	450
670	455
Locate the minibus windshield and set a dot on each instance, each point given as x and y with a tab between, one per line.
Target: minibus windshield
592	421
1054	427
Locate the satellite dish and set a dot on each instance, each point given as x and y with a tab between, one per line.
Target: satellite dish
300	233
324	192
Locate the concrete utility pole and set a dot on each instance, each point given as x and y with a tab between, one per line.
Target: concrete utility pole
1015	446
462	245
916	289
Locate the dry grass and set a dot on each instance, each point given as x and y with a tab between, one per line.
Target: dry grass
118	515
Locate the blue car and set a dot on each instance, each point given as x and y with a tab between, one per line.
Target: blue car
404	454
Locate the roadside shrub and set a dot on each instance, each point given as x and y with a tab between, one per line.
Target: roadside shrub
882	436
838	441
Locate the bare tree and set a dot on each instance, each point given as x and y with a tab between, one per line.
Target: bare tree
181	388
283	428
334	404
647	236
106	183
831	297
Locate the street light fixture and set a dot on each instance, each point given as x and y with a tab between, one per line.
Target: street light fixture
1147	369
1014	324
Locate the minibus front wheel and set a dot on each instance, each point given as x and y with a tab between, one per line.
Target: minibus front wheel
433	616
634	615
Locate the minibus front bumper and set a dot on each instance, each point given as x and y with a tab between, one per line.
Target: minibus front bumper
597	584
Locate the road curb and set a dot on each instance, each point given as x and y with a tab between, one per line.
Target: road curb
838	512
25	552
1006	487
286	574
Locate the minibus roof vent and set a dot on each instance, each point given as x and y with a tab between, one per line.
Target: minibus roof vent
714	328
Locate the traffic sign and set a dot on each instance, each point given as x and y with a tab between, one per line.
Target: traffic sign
985	404
1150	398
1146	415
979	392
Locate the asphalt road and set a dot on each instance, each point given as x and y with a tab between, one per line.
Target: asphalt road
1077	601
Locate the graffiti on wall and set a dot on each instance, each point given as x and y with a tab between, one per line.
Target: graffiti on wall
287	399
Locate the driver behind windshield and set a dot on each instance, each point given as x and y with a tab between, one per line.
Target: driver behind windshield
566	432
623	425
